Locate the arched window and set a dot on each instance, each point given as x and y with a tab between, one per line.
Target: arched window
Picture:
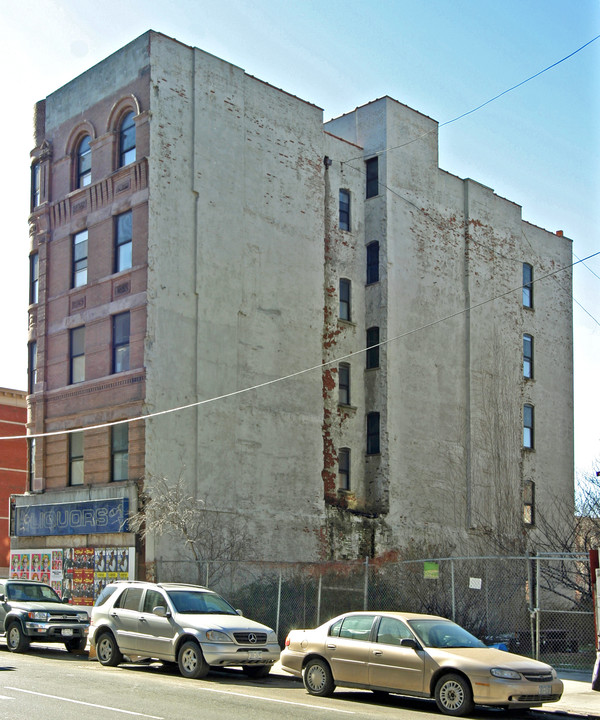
84	163
127	140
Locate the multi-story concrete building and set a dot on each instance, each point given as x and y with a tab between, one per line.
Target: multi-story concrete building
200	238
13	461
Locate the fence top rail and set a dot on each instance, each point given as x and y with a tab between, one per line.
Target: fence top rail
374	562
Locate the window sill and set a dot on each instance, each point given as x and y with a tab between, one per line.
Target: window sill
349	323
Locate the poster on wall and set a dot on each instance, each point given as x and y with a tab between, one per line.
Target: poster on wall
77	574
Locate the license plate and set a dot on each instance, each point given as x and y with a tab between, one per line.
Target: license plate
254	654
66	632
545	689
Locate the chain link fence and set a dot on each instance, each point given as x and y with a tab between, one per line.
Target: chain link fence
539	606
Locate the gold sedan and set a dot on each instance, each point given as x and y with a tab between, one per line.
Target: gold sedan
419	655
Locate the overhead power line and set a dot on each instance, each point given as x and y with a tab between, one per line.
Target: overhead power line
320	366
483	104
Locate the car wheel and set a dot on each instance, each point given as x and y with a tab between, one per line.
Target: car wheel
16	640
107	650
256	671
317	678
453	695
191	661
76	645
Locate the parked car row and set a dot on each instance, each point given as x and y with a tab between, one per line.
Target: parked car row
385	652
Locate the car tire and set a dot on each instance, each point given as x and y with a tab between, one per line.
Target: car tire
191	661
107	650
317	678
76	645
16	640
453	695
256	672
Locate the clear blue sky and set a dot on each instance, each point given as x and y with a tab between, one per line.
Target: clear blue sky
538	146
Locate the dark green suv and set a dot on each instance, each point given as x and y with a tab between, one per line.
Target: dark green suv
33	612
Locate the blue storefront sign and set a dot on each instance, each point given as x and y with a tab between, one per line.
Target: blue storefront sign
72	518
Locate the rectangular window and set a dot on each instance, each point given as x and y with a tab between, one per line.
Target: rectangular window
372	177
77	355
119	452
80	259
121	342
32	368
373	433
529	503
76	458
372	348
527	285
344	383
344	210
34	279
344	468
123	241
528	427
372	262
35	185
345	299
527	356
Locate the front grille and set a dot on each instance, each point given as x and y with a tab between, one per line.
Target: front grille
243	638
539	677
62	618
536	698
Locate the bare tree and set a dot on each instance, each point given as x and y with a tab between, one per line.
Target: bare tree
202	532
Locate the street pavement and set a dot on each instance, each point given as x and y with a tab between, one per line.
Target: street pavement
578	700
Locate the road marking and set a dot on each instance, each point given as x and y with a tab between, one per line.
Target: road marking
81	702
283	702
6	697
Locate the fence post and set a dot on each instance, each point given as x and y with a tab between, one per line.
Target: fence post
453	591
278	604
207	566
366	585
319	600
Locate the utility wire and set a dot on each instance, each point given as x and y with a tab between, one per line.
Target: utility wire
482	105
320	366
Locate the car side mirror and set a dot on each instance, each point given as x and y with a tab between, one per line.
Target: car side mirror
2	597
161	611
240	612
409	642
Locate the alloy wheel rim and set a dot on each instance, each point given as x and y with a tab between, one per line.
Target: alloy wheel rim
452	695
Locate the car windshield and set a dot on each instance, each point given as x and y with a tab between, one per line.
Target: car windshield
443	634
192	602
31	593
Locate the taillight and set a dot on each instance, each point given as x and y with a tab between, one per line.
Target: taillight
287	641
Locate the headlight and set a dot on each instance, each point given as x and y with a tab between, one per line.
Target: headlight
38	615
217	636
506	674
272	637
82	617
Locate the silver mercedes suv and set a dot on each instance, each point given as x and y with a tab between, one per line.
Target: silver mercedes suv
187	624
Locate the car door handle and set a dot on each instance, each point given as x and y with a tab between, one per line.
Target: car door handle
143	619
331	646
377	652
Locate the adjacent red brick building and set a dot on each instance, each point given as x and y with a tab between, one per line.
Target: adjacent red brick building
13	460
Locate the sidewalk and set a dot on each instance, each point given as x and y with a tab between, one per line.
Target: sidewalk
578	700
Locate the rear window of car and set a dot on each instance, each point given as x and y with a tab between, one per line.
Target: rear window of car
104	595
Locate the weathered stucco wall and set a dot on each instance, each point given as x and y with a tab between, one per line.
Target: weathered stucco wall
235	293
